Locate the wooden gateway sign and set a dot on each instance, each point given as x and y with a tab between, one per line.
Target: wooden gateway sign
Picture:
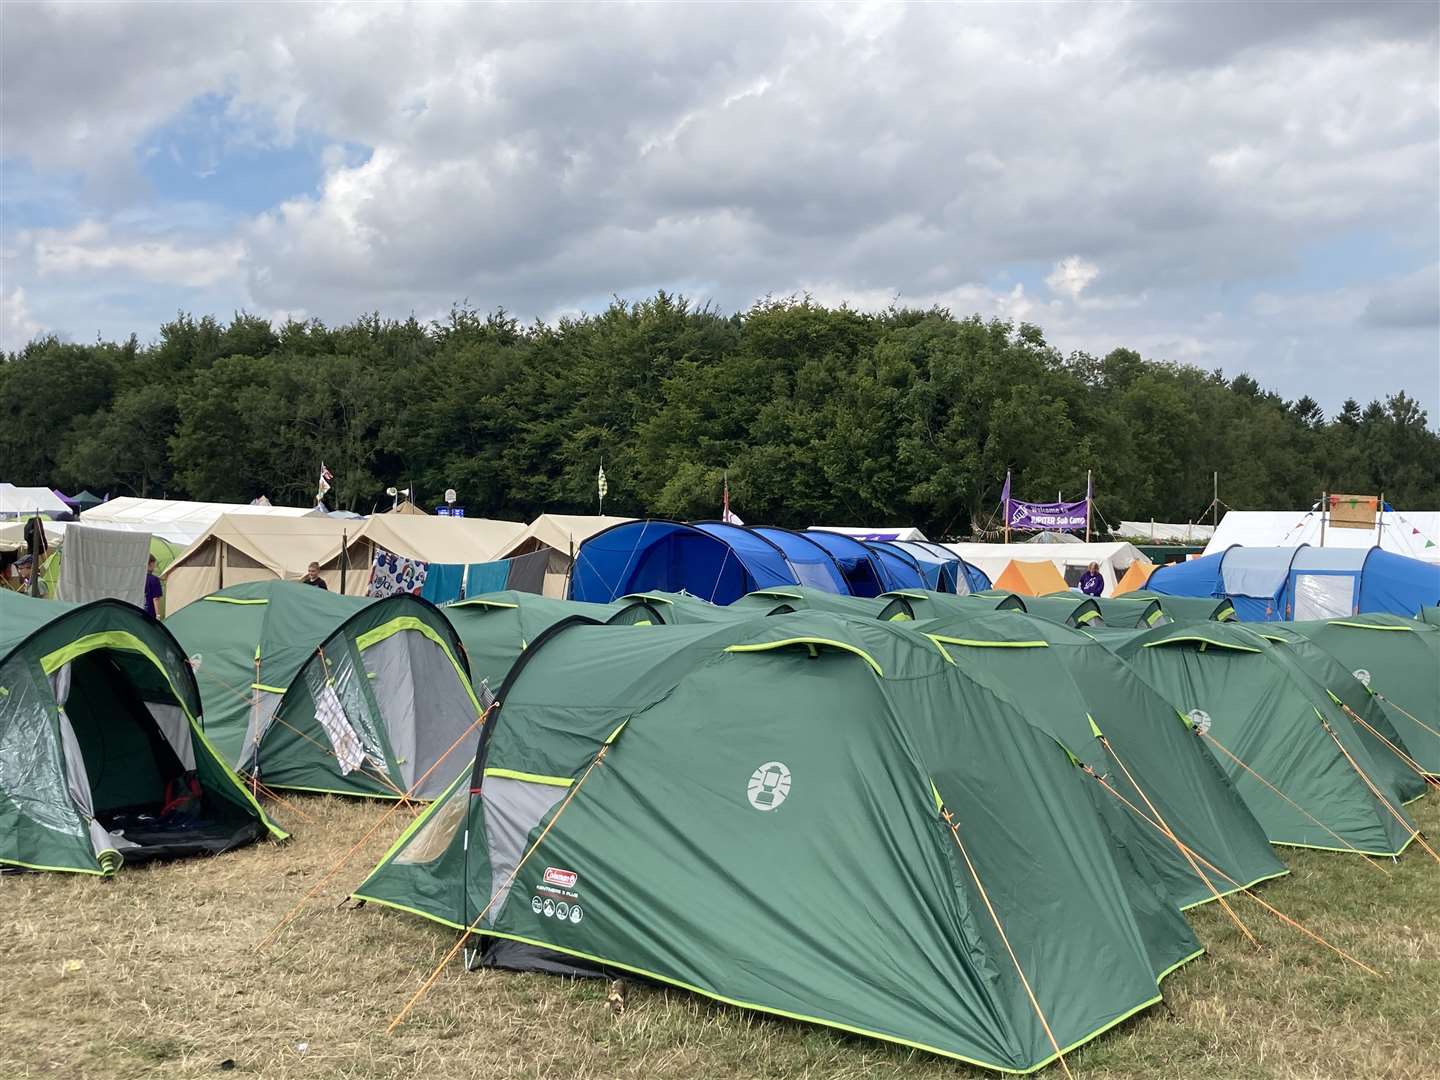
1353	511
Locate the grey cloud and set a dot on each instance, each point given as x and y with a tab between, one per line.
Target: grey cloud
1411	303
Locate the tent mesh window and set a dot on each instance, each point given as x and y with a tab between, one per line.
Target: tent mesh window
240	561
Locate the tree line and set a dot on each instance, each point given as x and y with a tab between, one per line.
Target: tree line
815	414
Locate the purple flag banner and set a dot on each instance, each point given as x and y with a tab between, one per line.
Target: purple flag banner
1033	516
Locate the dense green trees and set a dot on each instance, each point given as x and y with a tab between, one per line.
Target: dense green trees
819	415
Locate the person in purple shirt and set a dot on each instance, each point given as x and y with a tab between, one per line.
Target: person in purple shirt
154	591
1091	583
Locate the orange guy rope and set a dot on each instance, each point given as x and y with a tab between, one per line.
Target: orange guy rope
955	832
429	982
1184	850
1401	754
289	915
1414	833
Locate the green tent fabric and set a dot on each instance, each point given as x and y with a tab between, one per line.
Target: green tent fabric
99	736
1067	609
788	598
918	604
320	692
1188	608
496	628
1398	659
673	609
770	826
1132	612
1070	686
1371	718
1429	615
1292	753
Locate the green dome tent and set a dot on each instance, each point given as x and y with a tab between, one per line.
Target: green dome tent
102	756
1079	693
1398	659
310	690
1292	753
497	627
811	816
1371	718
787	598
1067	609
1188	608
1130	611
659	608
902	604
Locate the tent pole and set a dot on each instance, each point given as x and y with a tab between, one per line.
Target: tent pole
344	557
1089	479
1380	517
1215	503
35	535
1324	506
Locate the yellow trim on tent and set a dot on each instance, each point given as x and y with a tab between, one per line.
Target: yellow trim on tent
1375	626
410	622
530	778
128	642
268	689
232	600
480	601
765	646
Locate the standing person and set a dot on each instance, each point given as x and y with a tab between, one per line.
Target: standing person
312	577
26	569
154	591
1091	583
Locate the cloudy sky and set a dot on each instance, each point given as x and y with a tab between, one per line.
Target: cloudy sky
1250	186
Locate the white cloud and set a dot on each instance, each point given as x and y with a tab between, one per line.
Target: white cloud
90	249
1071	275
541	157
16	326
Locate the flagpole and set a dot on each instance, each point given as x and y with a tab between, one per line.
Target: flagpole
1007	506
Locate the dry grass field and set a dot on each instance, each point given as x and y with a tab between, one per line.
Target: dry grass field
155	974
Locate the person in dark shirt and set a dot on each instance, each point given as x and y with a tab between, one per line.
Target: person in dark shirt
1091	583
154	591
312	577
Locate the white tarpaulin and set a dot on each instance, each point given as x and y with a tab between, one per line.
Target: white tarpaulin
1070	559
102	563
1164	532
176	520
1415	533
25	501
879	532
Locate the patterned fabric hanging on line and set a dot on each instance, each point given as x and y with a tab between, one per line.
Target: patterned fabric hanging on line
391	574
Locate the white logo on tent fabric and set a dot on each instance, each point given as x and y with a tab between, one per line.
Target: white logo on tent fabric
576	915
1200	719
1362	675
769	785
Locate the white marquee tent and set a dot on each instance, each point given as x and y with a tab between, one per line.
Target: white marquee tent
1415	533
178	521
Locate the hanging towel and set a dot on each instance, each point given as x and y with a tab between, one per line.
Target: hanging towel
443	582
486	577
393	574
527	572
100	563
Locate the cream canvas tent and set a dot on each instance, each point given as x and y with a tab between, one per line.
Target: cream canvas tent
241	548
178	521
441	539
561	535
1070	559
1415	533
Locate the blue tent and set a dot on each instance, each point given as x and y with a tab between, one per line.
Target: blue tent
898	568
716	562
1304	582
861	567
812	564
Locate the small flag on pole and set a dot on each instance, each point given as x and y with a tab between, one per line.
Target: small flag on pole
602	487
325	477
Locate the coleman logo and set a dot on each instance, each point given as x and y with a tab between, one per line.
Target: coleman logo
565	879
1200	720
769	785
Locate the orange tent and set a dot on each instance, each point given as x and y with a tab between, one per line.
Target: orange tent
1135	577
1031	578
